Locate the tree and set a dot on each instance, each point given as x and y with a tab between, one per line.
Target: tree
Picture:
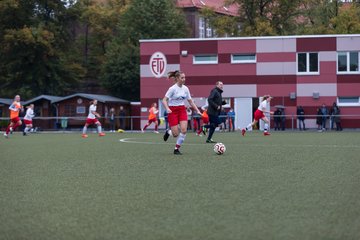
267	17
152	19
317	15
224	26
33	57
95	30
348	20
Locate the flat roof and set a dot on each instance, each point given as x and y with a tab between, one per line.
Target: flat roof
247	38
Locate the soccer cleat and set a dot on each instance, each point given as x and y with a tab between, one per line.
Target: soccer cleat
84	136
24	134
203	130
210	141
166	135
11	130
101	134
267	134
142	130
177	152
6	136
243	131
156	132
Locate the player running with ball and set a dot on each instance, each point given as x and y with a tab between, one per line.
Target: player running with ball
259	114
174	102
91	119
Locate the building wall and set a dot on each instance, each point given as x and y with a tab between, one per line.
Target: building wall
275	70
78	119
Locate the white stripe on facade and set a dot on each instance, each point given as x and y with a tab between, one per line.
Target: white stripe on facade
276	68
327	56
275	45
308	89
348	43
146	72
239	90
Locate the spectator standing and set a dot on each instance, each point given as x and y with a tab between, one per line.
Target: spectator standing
122	116
333	111
324	113
319	119
112	119
301	117
222	117
189	114
166	120
231	120
336	117
283	119
277	119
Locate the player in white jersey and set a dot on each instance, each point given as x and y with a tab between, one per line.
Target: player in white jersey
28	119
174	102
91	119
259	114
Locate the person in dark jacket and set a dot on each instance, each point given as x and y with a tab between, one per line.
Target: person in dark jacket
215	105
300	115
277	119
319	119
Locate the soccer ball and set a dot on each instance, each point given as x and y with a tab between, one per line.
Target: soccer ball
219	148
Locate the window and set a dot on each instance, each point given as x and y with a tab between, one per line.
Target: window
243	58
307	63
80	110
348	62
348	101
205	59
209	32
201	27
69	110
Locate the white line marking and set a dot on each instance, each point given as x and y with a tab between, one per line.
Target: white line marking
133	140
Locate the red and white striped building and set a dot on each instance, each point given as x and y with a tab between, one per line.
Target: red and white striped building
296	70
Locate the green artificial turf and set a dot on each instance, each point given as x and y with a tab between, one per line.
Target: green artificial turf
289	185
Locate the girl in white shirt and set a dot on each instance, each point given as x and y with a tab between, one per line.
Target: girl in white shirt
28	119
174	102
259	114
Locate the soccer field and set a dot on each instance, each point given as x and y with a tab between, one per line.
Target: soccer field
289	185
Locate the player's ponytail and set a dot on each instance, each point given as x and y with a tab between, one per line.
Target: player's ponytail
174	74
266	97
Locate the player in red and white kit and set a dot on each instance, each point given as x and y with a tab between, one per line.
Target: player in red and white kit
28	119
259	114
91	119
15	108
174	102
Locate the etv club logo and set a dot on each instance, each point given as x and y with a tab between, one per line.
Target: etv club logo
158	64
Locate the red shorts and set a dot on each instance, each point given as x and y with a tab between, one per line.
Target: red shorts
15	120
258	115
205	120
90	121
153	120
178	114
28	122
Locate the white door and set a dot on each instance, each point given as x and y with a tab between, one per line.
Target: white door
243	112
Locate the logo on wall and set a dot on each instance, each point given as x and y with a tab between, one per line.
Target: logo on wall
158	64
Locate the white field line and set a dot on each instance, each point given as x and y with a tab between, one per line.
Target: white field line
134	141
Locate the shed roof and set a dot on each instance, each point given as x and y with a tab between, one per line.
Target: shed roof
100	98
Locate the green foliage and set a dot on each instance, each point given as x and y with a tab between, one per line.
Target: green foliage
121	71
348	21
266	17
152	19
33	57
225	26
